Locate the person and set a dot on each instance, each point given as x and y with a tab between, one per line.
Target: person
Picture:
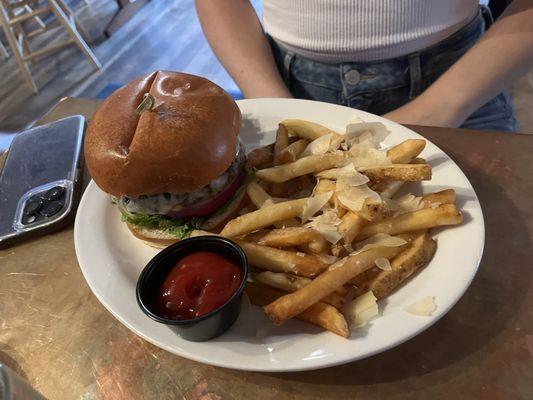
424	62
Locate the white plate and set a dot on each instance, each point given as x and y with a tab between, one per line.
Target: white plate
111	260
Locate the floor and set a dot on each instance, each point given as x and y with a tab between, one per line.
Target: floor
163	35
166	34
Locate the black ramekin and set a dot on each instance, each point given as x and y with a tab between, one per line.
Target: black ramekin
206	326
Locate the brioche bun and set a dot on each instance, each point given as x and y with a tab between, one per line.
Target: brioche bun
184	141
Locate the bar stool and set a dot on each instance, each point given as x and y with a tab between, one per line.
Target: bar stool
14	12
3	52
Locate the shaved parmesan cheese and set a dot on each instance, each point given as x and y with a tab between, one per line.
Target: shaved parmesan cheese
373	132
425	307
328	259
362	156
391	204
383	264
329	232
408	203
355	197
379	240
326	224
291	266
314	204
361	310
328	216
355	120
318	146
348	174
300	254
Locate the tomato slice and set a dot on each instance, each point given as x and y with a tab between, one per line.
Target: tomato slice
209	206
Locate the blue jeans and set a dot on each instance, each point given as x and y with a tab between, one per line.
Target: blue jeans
382	86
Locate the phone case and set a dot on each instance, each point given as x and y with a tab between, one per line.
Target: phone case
39	183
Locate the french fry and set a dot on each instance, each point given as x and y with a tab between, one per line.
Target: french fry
257	194
418	254
446	196
337	275
280	280
306	129
338	250
282	141
404	152
320	314
286	237
288	282
350	226
324	185
263	217
418	160
260	198
291	283
292	151
362	279
397	172
262	157
276	260
446	214
302	166
388	188
319	246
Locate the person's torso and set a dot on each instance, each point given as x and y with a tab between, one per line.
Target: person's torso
334	31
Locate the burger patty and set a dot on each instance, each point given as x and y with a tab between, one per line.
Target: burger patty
166	202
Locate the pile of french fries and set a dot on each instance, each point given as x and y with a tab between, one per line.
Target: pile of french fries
327	226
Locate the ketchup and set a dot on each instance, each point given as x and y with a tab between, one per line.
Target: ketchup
197	285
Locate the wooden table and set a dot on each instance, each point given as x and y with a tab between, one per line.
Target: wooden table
56	334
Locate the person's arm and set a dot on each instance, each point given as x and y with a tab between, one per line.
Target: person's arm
502	55
236	36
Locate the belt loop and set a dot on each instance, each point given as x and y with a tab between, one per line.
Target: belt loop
487	16
415	75
287	62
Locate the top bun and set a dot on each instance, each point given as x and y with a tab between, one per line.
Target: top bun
186	139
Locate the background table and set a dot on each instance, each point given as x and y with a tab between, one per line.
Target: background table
56	334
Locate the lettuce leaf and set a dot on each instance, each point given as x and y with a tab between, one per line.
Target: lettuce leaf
177	227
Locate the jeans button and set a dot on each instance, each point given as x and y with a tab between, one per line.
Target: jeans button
352	77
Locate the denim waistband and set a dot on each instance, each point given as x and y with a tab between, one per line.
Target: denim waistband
404	70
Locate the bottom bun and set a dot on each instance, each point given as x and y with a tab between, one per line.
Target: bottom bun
160	239
153	237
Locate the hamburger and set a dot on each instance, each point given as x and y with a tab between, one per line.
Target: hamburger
166	148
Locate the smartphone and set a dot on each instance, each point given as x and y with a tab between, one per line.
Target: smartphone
40	183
